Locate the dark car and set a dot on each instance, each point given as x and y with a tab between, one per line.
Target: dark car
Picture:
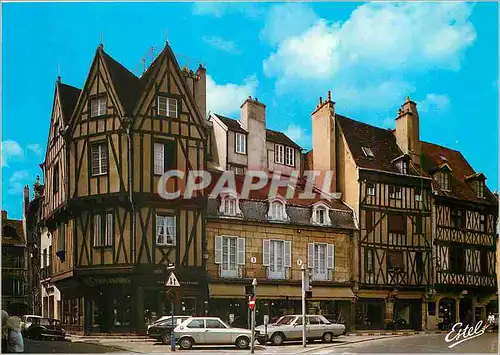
161	329
45	328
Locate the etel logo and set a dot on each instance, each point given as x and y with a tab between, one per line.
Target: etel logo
464	334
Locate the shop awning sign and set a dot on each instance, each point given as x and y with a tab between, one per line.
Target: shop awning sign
172	281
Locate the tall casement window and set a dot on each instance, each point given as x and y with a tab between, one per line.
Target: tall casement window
229	206
98	106
443	178
289	156
166	234
479	188
103	229
167	106
241	143
395	192
321	258
279	153
61	238
458	218
277	257
457	259
55	178
395	260
99	157
370	189
230	255
164	156
397	223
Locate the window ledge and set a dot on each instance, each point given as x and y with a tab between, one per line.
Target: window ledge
98	175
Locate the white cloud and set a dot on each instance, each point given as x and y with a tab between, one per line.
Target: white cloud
368	56
221	44
17	182
226	99
35	148
297	133
219	9
11	150
434	102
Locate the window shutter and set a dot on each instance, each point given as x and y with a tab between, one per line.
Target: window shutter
97	230
109	229
218	250
330	257
170	155
310	255
288	254
265	252
241	251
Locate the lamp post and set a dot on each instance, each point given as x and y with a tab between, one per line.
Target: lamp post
252	341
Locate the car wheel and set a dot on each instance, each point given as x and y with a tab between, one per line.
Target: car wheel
242	342
186	343
277	339
165	339
327	337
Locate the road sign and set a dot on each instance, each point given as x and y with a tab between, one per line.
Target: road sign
172	281
173	295
251	303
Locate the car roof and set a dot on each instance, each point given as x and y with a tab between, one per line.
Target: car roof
32	316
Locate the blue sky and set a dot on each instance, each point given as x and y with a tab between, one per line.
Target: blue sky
371	56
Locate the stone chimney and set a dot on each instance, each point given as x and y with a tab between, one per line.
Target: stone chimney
4	214
201	90
323	137
408	130
253	120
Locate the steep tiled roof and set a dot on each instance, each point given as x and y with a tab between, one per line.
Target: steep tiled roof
125	83
231	123
12	231
69	96
434	156
280	138
381	141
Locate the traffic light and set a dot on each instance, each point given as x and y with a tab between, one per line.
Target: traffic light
308	280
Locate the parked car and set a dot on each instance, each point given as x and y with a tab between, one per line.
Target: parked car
27	320
161	329
45	328
290	328
210	330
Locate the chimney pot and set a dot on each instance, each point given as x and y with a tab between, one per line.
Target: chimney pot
320	100
329	95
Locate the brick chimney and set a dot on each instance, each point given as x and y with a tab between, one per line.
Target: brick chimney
253	120
323	137
4	214
408	130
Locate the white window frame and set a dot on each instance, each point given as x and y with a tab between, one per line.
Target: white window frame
326	215
103	234
166	227
230	264
98	106
370	189
277	270
240	142
159	158
368	152
395	194
102	158
314	262
289	156
279	153
167	106
277	210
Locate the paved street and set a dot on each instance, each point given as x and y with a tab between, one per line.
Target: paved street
48	346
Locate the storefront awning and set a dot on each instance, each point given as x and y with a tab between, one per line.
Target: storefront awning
331	293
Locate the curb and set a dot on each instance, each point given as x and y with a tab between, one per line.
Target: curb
345	343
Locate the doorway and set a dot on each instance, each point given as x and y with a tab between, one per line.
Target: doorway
465	311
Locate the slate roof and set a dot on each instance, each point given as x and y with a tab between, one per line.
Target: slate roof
381	141
460	188
12	232
271	135
68	96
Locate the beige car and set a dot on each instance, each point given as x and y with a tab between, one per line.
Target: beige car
210	331
290	328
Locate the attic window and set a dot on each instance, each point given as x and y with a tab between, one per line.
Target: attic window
402	166
443	179
479	188
320	216
167	106
98	106
368	152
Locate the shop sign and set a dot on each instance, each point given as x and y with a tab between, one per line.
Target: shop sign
91	281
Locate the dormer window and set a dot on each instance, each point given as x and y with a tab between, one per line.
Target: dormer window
277	211
229	205
98	106
320	215
443	179
368	152
402	166
167	106
479	187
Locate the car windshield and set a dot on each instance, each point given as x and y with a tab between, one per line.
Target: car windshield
46	321
286	320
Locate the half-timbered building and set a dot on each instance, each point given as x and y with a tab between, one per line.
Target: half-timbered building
113	235
376	171
465	216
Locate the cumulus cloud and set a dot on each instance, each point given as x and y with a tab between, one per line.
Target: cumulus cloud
297	133
371	51
434	102
35	148
227	98
11	150
17	181
221	44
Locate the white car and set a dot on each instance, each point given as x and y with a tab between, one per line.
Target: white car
210	330
27	321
